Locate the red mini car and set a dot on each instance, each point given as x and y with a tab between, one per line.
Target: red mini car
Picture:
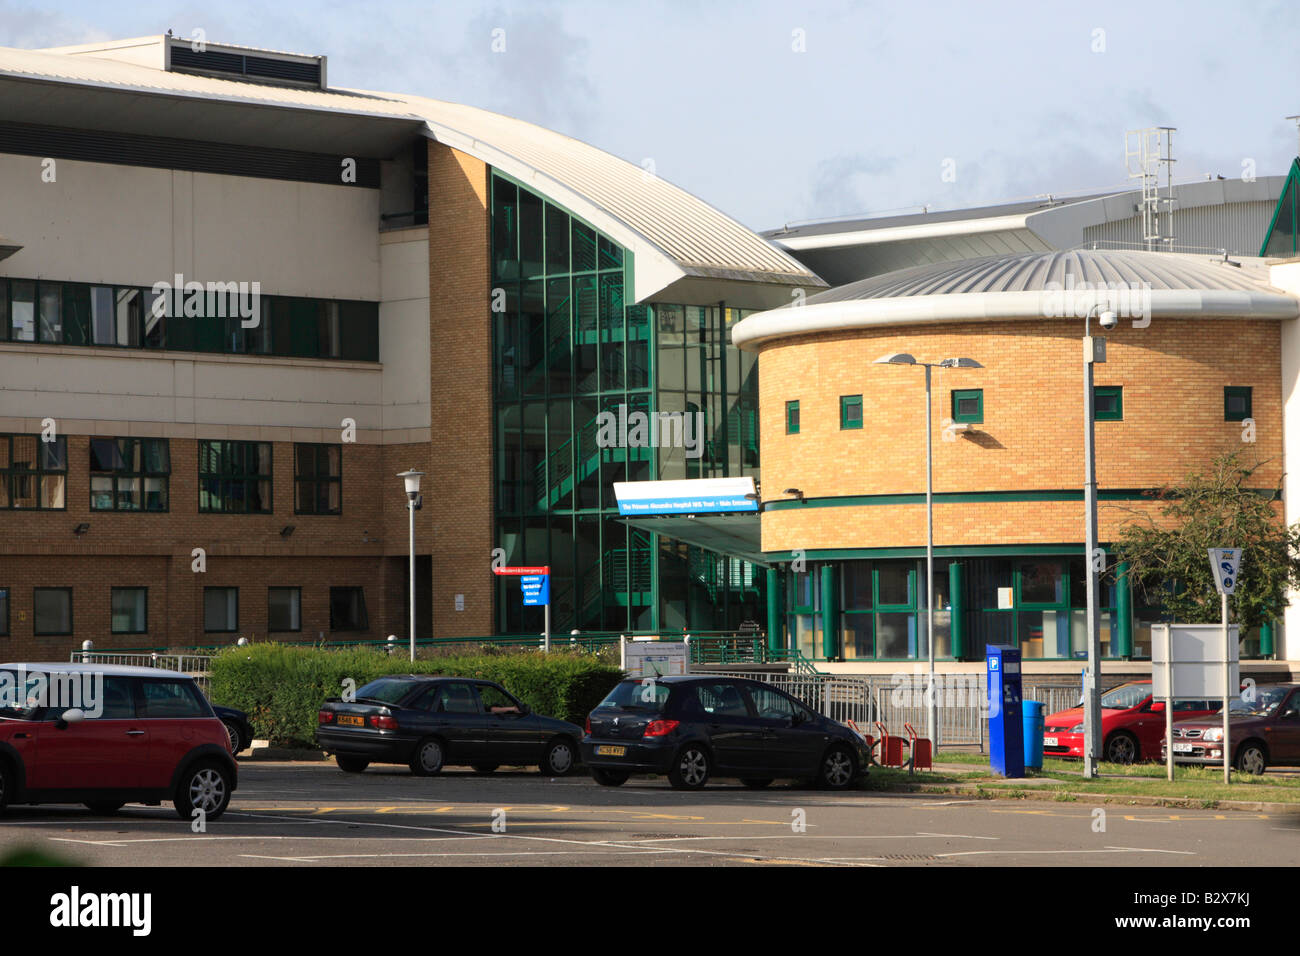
1132	725
106	736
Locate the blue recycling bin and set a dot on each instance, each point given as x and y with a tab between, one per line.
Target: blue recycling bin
1033	720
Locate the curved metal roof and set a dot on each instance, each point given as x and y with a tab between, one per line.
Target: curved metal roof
1044	271
1034	285
671	232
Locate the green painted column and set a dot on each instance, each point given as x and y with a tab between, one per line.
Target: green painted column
1123	634
1266	639
828	611
957	595
775	619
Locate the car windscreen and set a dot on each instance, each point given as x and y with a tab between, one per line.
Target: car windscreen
1125	696
647	695
1260	703
17	698
387	689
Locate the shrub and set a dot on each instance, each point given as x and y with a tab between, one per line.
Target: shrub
281	686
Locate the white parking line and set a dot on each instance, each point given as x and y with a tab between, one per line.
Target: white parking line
1109	849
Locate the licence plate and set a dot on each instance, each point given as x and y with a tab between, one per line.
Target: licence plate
1050	742
350	721
605	751
1184	748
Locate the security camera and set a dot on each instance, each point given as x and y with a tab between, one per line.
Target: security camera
1108	320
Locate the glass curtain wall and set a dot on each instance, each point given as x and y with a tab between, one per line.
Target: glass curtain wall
572	354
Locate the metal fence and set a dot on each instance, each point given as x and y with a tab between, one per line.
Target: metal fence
865	699
195	665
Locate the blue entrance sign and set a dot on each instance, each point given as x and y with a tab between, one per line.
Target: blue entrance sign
536	589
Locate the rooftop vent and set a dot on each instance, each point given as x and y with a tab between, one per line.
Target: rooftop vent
245	63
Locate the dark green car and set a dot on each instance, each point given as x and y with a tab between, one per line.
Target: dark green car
429	723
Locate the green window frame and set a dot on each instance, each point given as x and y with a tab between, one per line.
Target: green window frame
33	473
122	607
792	418
850	412
961	410
235	477
317	479
225	604
1238	401
1108	403
293	608
44	630
129	474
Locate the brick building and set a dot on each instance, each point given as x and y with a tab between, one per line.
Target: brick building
235	302
1199	364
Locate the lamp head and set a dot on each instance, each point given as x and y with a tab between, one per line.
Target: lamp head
411	479
895	358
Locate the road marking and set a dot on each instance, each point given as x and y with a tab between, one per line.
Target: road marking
1109	849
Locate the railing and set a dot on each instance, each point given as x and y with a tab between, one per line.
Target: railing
195	665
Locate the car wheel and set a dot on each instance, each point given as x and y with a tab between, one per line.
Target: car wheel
204	786
690	768
1251	758
236	740
560	758
428	757
837	770
609	778
1122	747
105	806
756	783
351	764
485	767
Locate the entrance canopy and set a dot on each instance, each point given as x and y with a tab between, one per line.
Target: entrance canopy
719	514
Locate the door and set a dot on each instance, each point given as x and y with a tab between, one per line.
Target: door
511	738
789	744
734	734
177	717
452	711
1284	743
108	750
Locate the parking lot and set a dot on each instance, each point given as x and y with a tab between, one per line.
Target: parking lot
311	814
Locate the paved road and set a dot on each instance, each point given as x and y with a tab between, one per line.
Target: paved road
311	814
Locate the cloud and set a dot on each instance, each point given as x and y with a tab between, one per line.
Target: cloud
848	184
31	28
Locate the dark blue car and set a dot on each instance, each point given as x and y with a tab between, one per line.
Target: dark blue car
696	727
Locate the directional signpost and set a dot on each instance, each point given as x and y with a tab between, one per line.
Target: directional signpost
1226	563
535	583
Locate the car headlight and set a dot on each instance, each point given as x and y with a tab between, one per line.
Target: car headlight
1214	733
1077	729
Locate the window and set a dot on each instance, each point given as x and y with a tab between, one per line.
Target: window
968	405
1236	403
284	609
129	609
455	698
119	701
52	610
33	472
497	701
348	609
173	698
22	311
771	704
220	609
235	477
850	411
318	479
792	418
116	316
4	611
1108	403
717	700
129	474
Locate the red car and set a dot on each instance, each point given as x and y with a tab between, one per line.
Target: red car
107	736
1132	724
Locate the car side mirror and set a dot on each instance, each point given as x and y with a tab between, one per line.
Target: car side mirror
73	715
1156	707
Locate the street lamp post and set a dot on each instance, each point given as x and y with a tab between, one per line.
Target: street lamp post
411	478
1091	681
902	358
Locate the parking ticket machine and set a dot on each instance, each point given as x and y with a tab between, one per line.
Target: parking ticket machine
1006	730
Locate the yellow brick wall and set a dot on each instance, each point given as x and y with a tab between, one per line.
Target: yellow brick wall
458	501
1173	374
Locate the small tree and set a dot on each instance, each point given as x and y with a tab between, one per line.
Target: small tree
1216	508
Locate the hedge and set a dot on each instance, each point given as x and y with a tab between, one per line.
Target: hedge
281	686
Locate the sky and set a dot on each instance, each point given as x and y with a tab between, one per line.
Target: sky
781	112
